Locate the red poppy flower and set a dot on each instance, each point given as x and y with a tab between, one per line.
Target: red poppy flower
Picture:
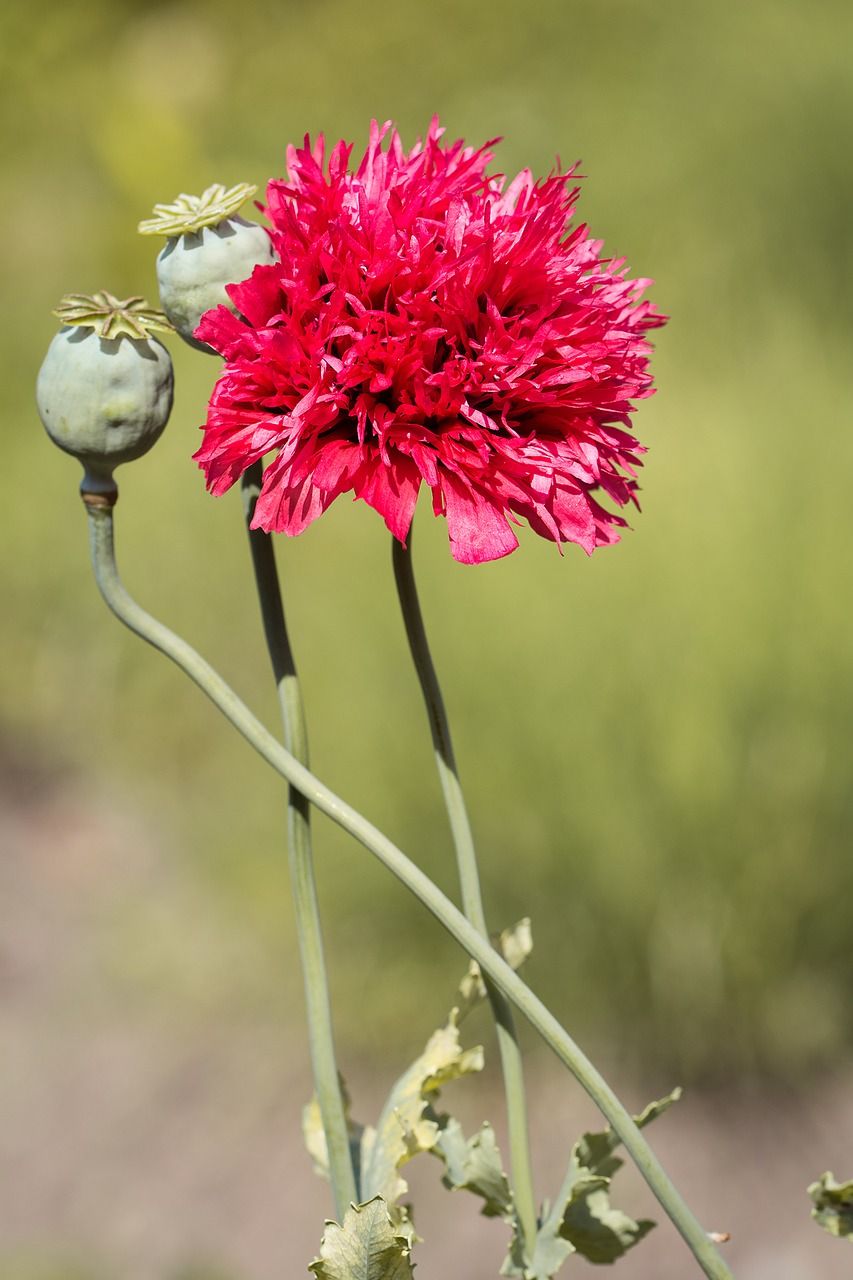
429	323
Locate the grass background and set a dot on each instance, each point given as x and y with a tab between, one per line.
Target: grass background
655	742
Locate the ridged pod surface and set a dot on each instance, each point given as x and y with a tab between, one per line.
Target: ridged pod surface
193	270
104	400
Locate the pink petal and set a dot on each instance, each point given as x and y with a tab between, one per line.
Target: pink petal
478	530
393	492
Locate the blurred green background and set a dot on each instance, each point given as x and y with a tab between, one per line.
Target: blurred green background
655	742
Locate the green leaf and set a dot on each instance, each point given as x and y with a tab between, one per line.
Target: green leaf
474	1164
366	1247
655	1109
598	1231
594	1151
551	1248
515	945
407	1124
314	1135
549	1253
833	1205
582	1219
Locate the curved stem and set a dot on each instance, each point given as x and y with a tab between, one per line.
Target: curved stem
492	964
472	897
302	879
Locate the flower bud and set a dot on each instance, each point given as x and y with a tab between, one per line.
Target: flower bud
208	247
104	391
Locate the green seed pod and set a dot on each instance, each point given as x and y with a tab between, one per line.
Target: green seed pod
208	247
104	391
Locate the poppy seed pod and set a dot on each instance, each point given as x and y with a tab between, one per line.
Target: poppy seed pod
208	247
104	391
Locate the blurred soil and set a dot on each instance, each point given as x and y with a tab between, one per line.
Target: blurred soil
156	1139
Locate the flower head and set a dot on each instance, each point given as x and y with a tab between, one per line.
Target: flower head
430	323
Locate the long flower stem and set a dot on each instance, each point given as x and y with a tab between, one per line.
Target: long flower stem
302	879
469	879
456	924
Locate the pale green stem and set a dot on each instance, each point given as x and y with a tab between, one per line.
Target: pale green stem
472	897
406	871
303	884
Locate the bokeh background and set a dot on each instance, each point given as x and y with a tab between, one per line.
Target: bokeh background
655	742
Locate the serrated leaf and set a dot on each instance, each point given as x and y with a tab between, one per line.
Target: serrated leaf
594	1151
549	1253
598	1231
833	1205
515	1264
582	1219
515	945
407	1125
365	1247
474	1164
550	1248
